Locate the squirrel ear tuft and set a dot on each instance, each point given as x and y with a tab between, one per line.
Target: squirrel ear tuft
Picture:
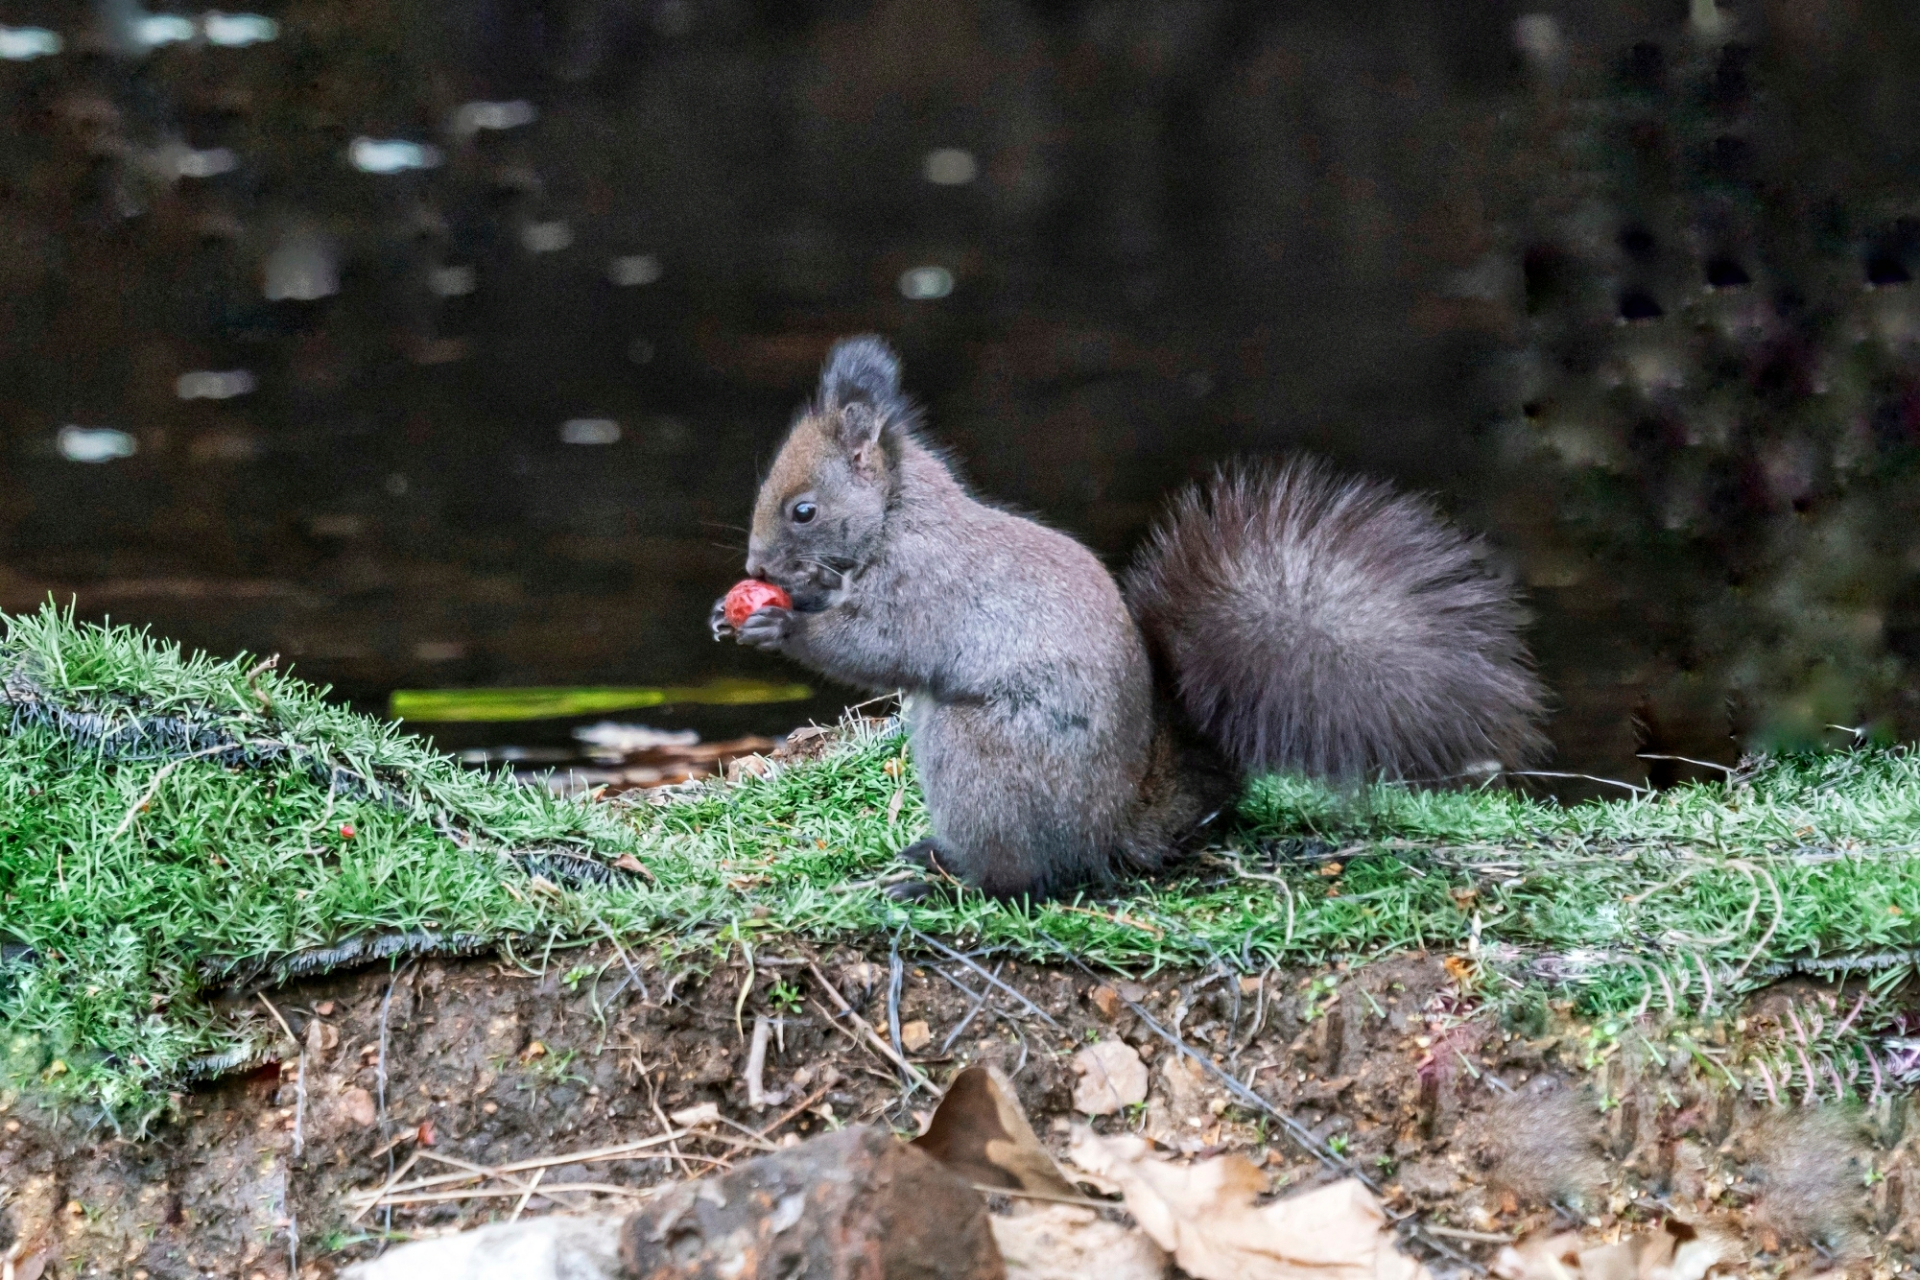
861	370
860	391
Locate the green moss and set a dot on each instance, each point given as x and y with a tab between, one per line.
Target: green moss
133	872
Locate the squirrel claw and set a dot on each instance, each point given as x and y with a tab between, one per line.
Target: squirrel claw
717	620
911	891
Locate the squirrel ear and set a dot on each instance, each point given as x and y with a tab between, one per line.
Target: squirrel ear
860	389
861	370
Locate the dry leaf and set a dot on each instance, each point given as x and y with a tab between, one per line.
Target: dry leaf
1679	1250
694	1117
1178	1113
29	1266
980	1132
322	1038
1106	1001
1204	1215
1069	1242
551	1248
915	1036
359	1105
1112	1077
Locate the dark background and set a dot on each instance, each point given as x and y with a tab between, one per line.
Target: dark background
1627	285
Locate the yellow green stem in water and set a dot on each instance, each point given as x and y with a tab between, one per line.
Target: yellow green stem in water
446	705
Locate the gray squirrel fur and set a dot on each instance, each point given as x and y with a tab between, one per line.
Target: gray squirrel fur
1280	617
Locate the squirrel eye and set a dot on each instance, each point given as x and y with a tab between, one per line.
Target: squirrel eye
803	512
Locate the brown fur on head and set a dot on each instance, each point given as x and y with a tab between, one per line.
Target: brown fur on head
821	514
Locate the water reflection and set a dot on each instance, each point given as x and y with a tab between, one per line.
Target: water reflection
440	346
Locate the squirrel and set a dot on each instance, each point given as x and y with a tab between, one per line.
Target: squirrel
1068	728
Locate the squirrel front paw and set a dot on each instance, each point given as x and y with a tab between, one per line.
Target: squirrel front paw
766	628
718	620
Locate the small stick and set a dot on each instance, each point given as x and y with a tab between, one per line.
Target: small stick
979	999
1704	764
380	1078
914	1075
756	1141
159	777
299	1080
1015	1193
968	961
1116	918
632	972
746	989
653	1100
393	1179
896	975
757	1062
548	1191
1461	1233
796	1109
590	1156
521	1205
261	668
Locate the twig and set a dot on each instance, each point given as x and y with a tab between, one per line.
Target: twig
1729	770
299	1079
1583	777
594	1155
393	1179
968	961
896	976
1016	1193
979	999
521	1204
380	1081
621	951
757	1062
550	1192
1117	917
915	1076
1461	1233
796	1109
160	776
746	989
259	669
753	1139
673	1144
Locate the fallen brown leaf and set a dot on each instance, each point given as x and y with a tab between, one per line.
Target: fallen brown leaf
695	1116
1677	1250
1205	1216
1071	1242
980	1132
359	1106
1112	1078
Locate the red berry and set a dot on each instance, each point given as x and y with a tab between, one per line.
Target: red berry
346	831
748	597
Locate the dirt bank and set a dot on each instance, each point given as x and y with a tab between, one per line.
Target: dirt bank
1492	1131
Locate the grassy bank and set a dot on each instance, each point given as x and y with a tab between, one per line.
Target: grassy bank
170	824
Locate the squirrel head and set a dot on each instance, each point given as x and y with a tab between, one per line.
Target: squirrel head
822	509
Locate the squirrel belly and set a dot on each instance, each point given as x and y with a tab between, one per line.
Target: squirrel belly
1279	617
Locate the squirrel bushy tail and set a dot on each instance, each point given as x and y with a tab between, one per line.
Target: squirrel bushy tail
1309	621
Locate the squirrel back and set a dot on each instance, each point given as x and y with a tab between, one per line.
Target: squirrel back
1321	623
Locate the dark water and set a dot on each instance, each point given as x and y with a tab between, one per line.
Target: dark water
1627	285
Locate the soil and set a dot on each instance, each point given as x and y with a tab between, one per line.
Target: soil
1490	1131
